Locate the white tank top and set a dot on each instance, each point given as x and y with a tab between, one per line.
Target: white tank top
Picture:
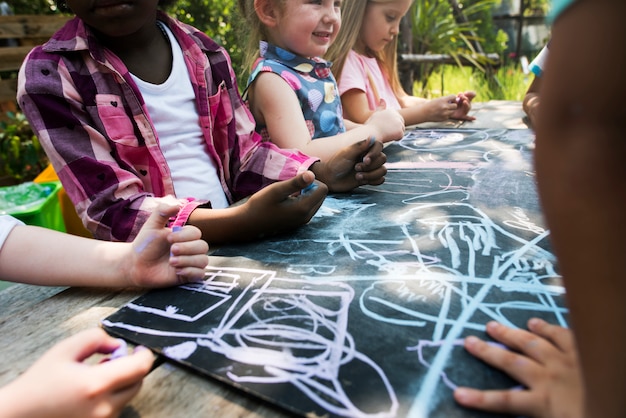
172	109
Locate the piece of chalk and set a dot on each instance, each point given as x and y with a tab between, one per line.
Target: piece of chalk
175	229
120	351
309	188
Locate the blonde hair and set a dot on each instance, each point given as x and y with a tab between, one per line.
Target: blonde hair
352	15
256	31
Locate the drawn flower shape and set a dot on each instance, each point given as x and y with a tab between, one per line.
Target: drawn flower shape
171	309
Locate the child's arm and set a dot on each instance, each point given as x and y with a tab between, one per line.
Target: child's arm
544	360
580	160
59	384
414	110
281	206
419	110
278	207
274	104
157	257
359	164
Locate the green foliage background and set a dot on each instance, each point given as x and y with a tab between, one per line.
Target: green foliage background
435	29
217	18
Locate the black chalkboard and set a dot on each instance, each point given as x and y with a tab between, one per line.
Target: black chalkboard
362	312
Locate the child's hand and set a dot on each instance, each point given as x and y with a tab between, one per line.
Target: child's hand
355	165
60	385
161	257
388	124
547	365
464	105
441	108
282	206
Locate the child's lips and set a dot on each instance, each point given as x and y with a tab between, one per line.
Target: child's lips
109	3
112	6
325	35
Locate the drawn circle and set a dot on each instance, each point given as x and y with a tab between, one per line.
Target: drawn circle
441	139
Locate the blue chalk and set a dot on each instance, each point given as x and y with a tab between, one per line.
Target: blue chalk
309	188
120	351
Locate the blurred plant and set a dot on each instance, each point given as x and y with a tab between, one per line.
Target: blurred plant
217	18
513	83
21	156
34	7
436	30
536	7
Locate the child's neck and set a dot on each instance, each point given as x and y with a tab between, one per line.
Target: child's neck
362	49
148	57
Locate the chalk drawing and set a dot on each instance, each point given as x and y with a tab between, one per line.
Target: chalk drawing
362	312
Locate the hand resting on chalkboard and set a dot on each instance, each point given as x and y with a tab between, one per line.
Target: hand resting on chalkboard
544	360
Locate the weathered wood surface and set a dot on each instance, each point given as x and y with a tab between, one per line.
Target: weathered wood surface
30	27
27	31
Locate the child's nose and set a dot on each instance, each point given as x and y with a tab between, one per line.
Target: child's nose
332	14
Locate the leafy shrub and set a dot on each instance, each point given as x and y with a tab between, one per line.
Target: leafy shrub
21	156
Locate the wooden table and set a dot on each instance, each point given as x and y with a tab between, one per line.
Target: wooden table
33	318
494	114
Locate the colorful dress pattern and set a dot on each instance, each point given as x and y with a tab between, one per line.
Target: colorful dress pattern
313	83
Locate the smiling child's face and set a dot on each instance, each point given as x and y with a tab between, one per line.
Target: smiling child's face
307	28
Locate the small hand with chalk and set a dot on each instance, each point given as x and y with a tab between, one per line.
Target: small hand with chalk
162	256
463	102
62	384
120	351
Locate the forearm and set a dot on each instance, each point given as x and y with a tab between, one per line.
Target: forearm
416	114
51	258
225	225
410	101
580	154
324	148
585	209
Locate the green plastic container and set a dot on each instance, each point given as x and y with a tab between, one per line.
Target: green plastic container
34	204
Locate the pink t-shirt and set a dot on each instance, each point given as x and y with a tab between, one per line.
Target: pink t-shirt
359	72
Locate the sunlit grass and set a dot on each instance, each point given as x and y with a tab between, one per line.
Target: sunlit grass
508	83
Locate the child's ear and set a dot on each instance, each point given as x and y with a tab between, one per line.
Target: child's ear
266	11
